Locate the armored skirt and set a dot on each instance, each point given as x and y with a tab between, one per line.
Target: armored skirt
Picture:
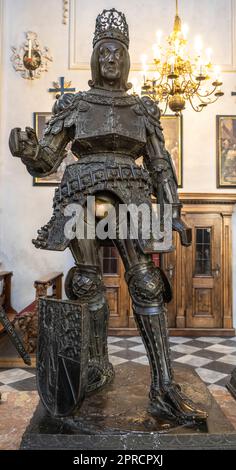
116	177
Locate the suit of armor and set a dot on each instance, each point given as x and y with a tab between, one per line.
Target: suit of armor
109	130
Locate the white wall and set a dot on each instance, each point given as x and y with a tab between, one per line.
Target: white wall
24	208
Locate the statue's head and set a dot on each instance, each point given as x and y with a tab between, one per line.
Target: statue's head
110	61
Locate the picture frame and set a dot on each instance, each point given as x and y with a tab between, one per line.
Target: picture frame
226	151
40	119
173	133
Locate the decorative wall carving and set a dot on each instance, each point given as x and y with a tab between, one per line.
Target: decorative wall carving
66	7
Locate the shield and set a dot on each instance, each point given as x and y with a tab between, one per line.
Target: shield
62	356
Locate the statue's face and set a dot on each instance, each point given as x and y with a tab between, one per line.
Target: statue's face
111	60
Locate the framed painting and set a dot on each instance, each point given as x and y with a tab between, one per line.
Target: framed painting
40	119
226	151
173	133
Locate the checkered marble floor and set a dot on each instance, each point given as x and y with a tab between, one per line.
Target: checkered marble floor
213	359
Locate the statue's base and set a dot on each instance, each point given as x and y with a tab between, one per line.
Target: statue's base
231	386
117	418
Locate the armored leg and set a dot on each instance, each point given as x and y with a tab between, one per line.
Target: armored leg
84	282
148	289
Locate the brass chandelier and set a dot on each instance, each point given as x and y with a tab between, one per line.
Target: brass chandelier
180	78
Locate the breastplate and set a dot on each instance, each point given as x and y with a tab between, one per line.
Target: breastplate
105	124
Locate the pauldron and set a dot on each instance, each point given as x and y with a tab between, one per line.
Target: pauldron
65	109
152	118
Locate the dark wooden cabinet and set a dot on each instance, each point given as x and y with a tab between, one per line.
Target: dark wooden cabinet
200	275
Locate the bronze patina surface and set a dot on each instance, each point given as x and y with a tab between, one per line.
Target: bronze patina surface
109	129
117	418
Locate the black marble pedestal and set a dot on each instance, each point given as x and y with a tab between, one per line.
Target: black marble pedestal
117	418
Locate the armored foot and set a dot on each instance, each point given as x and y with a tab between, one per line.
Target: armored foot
173	405
183	405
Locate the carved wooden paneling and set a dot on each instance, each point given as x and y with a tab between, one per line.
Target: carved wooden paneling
202	302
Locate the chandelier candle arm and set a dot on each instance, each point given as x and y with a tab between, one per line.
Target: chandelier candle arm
199	108
209	94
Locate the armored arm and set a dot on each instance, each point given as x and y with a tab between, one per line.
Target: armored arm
161	169
44	157
41	158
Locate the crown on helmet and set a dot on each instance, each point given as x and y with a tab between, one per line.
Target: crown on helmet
111	24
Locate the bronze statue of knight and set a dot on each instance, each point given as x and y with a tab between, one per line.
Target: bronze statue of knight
109	129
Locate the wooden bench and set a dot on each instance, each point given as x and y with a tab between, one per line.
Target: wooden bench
53	280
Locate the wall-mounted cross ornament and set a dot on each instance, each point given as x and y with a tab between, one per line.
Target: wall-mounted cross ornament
61	87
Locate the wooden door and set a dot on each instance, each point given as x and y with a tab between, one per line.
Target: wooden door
116	289
200	275
203	277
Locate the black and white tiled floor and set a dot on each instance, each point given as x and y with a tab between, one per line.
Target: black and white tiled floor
213	359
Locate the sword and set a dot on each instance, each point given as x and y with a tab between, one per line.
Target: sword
14	337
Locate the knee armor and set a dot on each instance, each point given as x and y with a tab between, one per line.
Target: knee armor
84	283
148	288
